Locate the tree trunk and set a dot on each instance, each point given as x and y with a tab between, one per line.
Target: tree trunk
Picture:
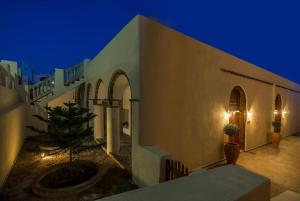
70	157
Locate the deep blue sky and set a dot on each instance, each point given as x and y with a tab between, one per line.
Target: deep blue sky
59	33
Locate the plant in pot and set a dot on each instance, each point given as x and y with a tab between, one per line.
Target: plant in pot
231	149
276	137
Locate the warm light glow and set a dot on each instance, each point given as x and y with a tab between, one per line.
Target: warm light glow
43	155
249	115
283	114
227	115
275	111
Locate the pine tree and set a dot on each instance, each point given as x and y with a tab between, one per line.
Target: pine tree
66	126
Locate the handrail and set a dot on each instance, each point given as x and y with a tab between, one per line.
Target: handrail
41	88
74	73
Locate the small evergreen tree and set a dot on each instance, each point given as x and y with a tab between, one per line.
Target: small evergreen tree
66	126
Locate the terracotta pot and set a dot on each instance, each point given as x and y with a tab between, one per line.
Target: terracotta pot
276	138
232	152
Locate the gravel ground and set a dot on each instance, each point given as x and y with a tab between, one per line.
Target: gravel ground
30	164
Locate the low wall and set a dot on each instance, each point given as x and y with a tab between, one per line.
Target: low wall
226	183
15	115
149	165
11	138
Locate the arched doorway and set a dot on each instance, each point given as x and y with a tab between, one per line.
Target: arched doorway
89	102
119	93
237	110
278	111
100	111
89	97
79	95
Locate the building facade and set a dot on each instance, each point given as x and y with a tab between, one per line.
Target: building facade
173	95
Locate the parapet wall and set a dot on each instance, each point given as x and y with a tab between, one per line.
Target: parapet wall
225	183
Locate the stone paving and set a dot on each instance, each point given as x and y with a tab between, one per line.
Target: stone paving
281	165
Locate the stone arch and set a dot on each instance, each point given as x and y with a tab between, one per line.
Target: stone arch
80	95
113	80
100	90
88	95
100	112
119	95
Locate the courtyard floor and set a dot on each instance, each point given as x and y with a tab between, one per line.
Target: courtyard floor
30	164
281	165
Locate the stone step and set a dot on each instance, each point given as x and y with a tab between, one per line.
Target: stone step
287	196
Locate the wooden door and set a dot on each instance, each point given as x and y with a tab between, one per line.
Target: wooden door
237	107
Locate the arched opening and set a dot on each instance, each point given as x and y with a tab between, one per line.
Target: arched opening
237	109
278	111
89	102
100	111
79	95
119	94
99	90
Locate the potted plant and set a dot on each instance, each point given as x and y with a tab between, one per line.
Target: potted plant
231	149
276	137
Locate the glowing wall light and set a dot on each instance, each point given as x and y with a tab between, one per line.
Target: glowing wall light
249	116
227	115
284	114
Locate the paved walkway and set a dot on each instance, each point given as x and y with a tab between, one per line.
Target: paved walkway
281	165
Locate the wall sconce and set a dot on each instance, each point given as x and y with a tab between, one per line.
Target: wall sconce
227	115
283	114
249	117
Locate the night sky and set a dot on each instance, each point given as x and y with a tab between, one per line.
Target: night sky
60	33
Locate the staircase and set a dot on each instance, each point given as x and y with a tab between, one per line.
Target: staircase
62	81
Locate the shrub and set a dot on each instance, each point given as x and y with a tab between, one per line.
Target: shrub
276	124
231	129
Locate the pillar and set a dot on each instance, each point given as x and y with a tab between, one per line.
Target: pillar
134	123
113	129
135	140
99	122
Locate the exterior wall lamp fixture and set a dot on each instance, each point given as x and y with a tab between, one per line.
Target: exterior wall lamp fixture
284	114
249	116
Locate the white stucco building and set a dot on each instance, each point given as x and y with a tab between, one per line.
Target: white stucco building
173	95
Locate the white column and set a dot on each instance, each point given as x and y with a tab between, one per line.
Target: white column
135	139
113	129
134	123
99	122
